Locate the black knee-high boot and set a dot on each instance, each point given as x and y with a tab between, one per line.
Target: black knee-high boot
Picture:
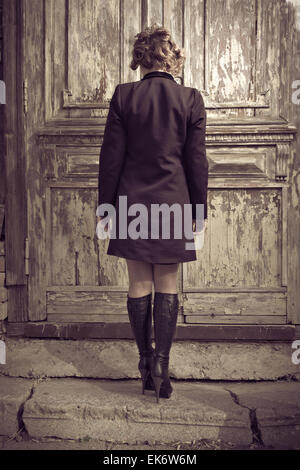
140	317
165	313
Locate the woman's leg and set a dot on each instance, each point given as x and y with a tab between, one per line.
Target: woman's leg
165	278
140	276
139	305
165	312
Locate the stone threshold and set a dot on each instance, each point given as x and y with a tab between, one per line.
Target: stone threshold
202	332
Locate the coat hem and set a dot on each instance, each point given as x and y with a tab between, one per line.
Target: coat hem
148	260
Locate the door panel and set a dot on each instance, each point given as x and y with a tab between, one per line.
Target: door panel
243	242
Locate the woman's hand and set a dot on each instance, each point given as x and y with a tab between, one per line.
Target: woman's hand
99	220
203	228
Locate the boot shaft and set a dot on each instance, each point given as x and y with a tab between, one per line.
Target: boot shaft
165	314
140	317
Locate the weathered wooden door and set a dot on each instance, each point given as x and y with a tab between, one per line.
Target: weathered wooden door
76	52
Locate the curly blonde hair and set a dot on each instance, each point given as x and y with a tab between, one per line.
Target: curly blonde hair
154	47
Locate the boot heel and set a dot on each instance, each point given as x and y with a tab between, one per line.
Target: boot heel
157	383
144	373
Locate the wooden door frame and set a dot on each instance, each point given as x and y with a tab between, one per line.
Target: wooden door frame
14	158
23	37
16	209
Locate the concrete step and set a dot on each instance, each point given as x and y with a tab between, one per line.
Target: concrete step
240	413
118	359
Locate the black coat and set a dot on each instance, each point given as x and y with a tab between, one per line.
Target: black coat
154	151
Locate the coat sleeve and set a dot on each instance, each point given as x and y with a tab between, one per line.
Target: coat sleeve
194	155
113	151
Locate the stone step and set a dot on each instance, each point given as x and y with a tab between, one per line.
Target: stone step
241	413
118	359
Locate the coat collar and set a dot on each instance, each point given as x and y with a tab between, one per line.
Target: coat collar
157	73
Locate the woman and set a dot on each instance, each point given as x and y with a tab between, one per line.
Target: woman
153	152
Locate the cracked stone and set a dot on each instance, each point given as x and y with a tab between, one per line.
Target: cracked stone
116	410
14	392
274	411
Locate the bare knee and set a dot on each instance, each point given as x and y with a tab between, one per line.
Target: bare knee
140	275
165	278
139	289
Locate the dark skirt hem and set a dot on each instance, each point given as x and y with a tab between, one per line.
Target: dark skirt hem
151	259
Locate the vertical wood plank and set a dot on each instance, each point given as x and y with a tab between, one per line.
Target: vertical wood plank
194	43
34	54
268	55
13	127
290	110
15	206
132	16
93	49
173	20
152	12
229	35
284	241
55	57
